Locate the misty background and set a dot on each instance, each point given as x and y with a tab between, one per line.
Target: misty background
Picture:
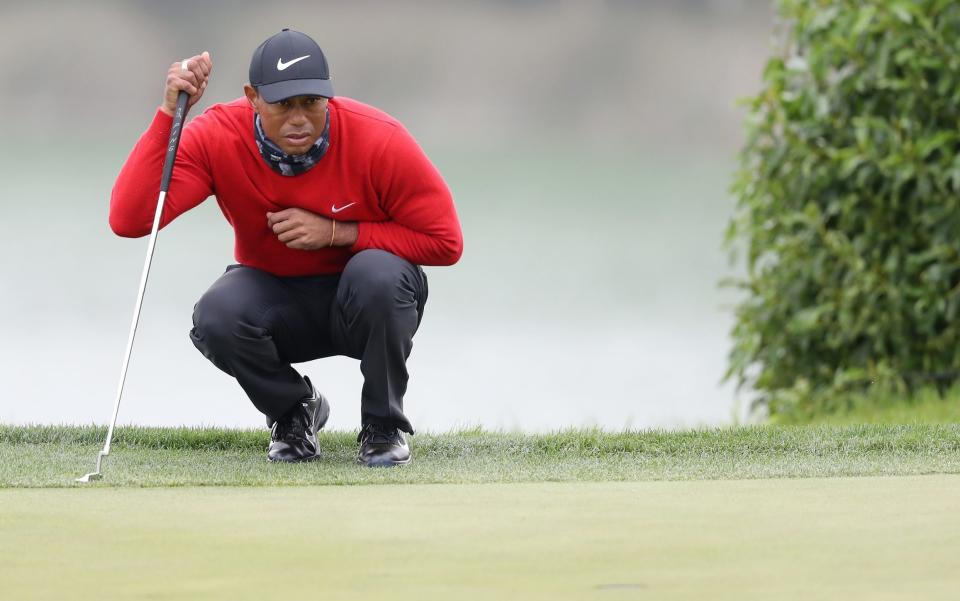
589	146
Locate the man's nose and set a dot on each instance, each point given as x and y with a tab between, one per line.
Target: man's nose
297	117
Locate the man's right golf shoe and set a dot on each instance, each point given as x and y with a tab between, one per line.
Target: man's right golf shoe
294	436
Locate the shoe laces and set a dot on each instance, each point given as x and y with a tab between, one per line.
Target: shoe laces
292	426
378	434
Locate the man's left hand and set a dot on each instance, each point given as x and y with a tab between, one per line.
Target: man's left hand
301	229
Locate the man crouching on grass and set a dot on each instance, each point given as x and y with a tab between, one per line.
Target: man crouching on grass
334	207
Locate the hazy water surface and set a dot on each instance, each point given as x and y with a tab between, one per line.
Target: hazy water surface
586	296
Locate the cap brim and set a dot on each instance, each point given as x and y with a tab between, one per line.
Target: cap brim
275	92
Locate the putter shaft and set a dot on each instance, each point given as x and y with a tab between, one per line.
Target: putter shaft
175	129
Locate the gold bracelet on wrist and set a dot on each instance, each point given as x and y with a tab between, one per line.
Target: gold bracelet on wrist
333	233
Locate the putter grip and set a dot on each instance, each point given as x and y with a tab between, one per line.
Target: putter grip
178	116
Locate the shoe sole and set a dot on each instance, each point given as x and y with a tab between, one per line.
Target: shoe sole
384	462
301	460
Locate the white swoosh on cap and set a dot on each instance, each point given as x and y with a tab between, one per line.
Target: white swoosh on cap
282	65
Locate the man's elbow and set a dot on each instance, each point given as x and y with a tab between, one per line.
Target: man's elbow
452	250
121	224
123	227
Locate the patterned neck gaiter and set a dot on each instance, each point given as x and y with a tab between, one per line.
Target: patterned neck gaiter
290	164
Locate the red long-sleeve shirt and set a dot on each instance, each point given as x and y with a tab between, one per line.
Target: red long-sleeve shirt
373	173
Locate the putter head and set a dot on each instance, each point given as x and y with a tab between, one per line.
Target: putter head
95	475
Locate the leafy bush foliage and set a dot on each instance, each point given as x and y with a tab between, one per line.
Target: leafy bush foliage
849	206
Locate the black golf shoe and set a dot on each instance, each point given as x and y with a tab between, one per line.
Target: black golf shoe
382	446
294	436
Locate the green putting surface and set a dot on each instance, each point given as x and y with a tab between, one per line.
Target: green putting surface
840	538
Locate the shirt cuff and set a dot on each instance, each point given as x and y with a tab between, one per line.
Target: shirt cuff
363	237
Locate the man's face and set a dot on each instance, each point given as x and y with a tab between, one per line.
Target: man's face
293	124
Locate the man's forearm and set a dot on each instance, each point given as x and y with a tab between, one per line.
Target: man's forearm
441	246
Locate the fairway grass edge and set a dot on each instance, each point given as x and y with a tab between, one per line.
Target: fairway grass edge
51	456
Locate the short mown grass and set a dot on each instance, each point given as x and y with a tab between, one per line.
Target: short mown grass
52	456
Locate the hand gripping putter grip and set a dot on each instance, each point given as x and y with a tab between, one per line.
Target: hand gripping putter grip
172	145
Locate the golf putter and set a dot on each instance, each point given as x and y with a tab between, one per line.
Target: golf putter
172	145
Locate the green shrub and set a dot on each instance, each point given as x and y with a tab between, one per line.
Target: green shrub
849	206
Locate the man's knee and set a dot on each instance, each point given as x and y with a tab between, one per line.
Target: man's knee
378	281
218	318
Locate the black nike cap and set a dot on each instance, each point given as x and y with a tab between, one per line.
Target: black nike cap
290	64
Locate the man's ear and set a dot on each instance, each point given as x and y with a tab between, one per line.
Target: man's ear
252	95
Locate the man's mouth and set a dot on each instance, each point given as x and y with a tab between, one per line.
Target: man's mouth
297	138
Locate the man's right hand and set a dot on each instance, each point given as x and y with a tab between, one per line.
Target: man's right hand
193	80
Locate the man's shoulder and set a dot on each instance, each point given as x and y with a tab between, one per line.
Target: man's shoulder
222	116
223	121
235	110
363	114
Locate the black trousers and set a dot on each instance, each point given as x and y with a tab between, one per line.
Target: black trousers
253	325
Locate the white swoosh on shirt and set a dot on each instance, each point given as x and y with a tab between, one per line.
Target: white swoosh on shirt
336	209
